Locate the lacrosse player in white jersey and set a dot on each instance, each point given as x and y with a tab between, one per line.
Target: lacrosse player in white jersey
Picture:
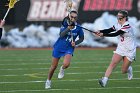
126	49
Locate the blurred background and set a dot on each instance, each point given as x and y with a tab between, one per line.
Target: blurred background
36	23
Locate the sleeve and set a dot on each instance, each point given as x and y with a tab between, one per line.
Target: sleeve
0	33
108	30
81	32
113	34
64	30
125	28
81	36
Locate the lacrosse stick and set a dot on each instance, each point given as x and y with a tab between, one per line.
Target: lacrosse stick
86	29
11	5
68	5
69	8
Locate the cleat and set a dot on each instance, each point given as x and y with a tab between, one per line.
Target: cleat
48	84
102	82
61	73
130	73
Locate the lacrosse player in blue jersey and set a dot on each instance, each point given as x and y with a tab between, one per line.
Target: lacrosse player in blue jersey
1	25
65	45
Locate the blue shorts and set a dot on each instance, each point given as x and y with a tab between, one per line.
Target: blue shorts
58	54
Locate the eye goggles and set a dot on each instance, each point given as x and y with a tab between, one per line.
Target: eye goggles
120	17
75	17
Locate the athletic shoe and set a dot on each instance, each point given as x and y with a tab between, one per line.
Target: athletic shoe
61	73
48	84
102	82
130	73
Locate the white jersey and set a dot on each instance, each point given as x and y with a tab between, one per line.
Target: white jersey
127	44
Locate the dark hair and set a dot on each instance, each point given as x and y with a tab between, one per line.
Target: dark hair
67	17
124	13
73	11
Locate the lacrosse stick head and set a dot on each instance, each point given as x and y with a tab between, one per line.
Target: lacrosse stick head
68	5
12	3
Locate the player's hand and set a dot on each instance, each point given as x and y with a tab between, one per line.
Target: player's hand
70	27
100	34
73	43
2	23
97	33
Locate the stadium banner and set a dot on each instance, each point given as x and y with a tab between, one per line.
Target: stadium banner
54	11
95	8
48	10
89	10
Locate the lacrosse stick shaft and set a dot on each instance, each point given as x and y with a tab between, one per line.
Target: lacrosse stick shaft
86	29
72	37
6	14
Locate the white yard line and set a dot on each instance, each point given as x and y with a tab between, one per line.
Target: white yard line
7	69
107	88
38	74
26	63
20	64
24	82
24	69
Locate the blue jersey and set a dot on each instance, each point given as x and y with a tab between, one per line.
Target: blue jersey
63	44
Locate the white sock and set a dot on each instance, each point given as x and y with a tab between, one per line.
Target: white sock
48	80
62	68
129	67
105	79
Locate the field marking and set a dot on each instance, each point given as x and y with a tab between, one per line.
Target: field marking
43	63
107	88
49	63
72	67
25	69
26	82
10	75
20	64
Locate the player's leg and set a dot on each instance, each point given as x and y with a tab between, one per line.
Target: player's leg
115	60
127	68
66	64
51	71
53	67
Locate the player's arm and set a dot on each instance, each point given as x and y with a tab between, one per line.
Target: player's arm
120	32
65	30
79	40
108	30
81	37
65	27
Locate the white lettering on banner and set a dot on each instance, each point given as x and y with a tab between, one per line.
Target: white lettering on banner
61	11
43	11
98	5
48	10
35	10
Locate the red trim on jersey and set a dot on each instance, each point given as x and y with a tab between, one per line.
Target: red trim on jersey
114	27
126	27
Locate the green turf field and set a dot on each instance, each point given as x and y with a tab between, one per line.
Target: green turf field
25	71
